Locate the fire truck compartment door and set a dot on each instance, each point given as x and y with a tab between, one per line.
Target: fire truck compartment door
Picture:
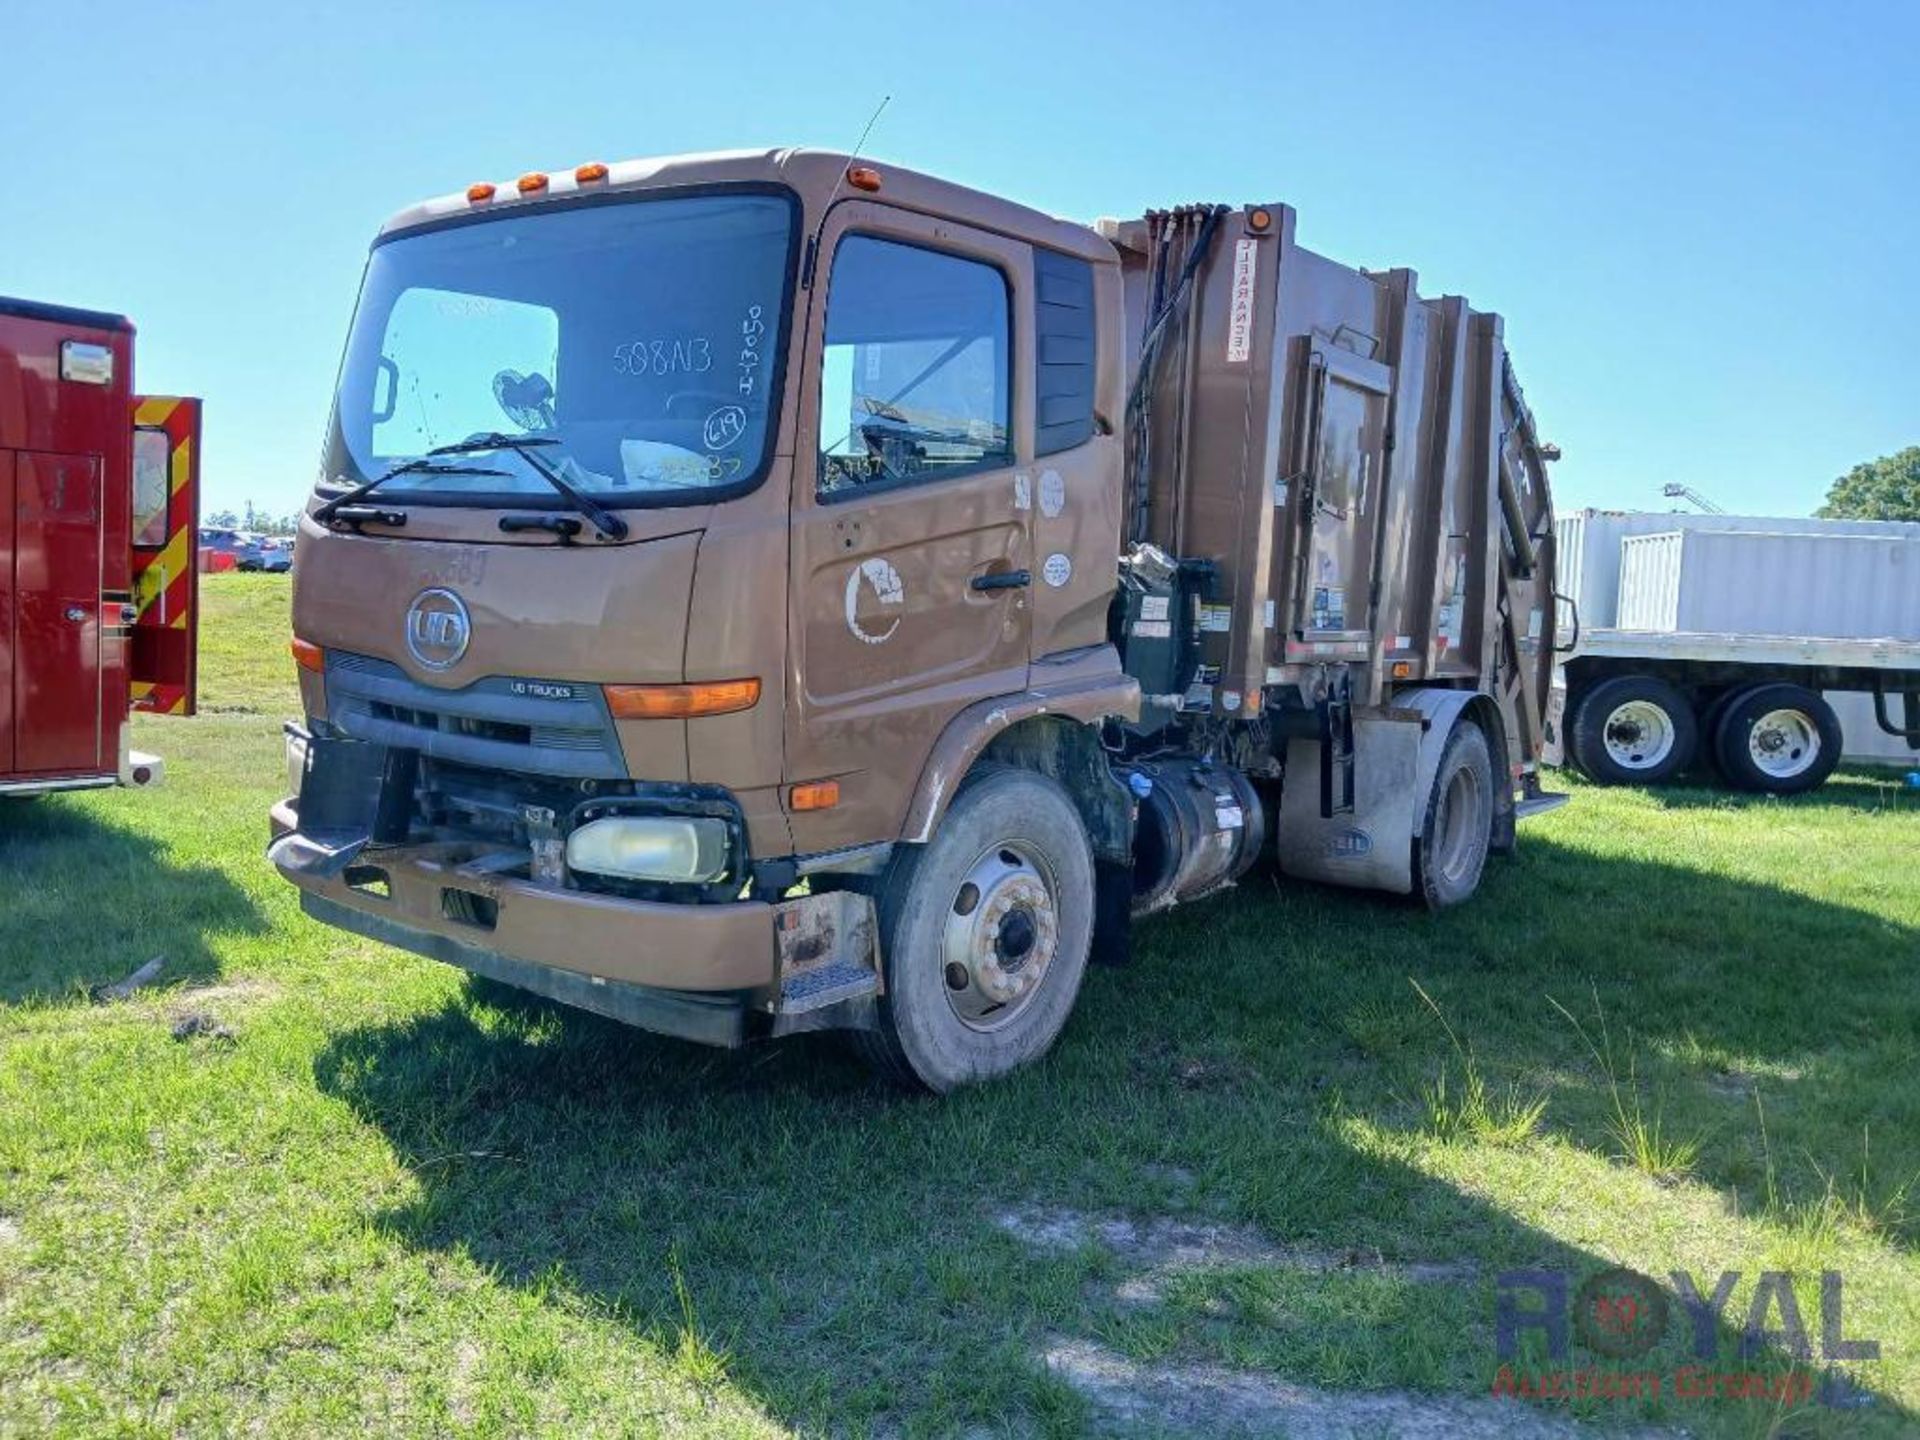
166	554
56	583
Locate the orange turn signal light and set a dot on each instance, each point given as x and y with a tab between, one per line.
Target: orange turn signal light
590	172
814	795
480	192
680	702
1259	220
863	177
1402	669
530	182
309	656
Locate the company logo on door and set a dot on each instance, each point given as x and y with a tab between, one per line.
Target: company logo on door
438	629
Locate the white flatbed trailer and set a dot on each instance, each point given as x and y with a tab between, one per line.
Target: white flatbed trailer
1762	708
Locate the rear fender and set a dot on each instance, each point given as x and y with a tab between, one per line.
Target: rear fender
1441	710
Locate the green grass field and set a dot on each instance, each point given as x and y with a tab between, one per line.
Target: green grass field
359	1193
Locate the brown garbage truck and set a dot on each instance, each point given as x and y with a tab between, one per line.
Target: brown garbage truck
764	592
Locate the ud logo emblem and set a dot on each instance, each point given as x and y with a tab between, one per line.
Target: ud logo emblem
438	629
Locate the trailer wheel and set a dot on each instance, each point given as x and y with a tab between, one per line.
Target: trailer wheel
1451	853
985	932
1778	739
1633	730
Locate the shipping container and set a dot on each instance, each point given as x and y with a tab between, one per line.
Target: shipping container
1838	587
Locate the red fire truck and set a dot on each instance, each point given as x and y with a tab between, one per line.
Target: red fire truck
99	505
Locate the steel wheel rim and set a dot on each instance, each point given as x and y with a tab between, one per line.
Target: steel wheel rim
1639	735
1784	744
1002	935
1460	820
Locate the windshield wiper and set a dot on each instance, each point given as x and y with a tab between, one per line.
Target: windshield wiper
527	447
425	465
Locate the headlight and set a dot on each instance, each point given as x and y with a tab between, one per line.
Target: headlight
650	847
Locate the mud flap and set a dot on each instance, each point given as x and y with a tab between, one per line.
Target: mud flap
1370	848
352	795
1553	752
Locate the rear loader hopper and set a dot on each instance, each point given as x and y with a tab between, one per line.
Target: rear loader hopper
762	592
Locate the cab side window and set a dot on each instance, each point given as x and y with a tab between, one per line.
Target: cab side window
917	370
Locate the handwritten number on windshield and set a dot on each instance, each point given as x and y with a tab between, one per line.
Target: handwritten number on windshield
691	355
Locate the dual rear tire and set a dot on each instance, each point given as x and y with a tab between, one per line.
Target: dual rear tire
1772	738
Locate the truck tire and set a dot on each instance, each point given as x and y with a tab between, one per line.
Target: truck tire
1633	730
984	932
1778	739
1451	852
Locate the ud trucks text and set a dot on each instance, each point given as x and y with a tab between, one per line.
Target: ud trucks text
766	592
98	511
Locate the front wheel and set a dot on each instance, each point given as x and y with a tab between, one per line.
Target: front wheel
985	933
1778	739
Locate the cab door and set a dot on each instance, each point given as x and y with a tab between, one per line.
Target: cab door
912	547
166	554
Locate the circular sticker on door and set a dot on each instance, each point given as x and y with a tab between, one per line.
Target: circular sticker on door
1057	571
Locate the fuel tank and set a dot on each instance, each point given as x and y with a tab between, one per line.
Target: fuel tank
1200	828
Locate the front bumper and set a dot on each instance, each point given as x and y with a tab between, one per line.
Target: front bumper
726	947
712	973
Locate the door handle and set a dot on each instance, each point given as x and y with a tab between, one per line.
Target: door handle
1003	580
77	614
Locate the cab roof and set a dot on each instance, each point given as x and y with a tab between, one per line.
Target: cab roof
812	174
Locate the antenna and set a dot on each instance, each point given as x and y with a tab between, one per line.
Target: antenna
813	241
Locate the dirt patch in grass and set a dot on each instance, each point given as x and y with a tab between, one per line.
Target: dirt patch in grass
232	990
1159	1249
1169	1399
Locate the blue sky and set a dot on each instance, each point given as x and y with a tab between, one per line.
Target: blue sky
1699	220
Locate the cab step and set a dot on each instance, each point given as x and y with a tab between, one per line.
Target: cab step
823	985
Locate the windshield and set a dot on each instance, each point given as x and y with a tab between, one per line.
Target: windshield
642	338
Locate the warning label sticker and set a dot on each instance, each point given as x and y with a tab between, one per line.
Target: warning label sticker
1240	316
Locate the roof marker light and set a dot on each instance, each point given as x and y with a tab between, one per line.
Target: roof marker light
590	173
532	181
863	177
480	193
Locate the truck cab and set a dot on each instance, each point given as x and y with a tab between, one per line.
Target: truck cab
707	611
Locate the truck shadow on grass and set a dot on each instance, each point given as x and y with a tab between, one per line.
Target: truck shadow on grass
1259	1081
86	902
1859	788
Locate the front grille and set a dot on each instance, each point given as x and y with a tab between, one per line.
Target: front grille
502	722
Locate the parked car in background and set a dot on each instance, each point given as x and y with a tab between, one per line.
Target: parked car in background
220	540
271	553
